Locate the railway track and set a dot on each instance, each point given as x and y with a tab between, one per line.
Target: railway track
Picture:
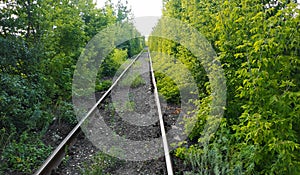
54	160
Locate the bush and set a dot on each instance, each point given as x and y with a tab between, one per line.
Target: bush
64	112
112	62
23	104
24	156
103	85
167	88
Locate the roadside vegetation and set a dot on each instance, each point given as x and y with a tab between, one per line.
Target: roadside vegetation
40	43
258	45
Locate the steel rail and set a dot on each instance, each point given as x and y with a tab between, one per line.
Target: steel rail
57	155
161	121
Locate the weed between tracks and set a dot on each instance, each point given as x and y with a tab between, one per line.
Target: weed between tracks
101	163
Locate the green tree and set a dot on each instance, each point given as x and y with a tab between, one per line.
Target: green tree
258	45
40	42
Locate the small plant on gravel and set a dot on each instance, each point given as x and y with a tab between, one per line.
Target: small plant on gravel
133	81
138	81
117	152
137	64
67	157
100	164
129	106
111	107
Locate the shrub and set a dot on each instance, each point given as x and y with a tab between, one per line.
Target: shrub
103	85
64	112
167	88
24	156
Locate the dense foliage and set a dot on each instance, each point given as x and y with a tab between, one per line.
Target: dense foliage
40	43
258	44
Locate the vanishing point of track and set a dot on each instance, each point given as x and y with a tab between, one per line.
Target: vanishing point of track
58	154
